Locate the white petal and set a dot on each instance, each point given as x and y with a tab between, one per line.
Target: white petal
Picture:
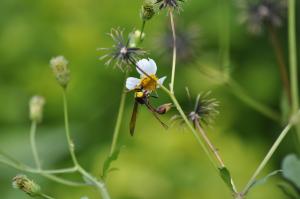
161	81
132	83
147	66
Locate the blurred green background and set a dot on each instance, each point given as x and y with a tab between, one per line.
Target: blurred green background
154	164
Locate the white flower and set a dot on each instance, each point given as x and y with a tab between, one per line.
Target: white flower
147	82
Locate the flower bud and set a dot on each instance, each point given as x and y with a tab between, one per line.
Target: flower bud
135	37
60	69
164	108
36	106
28	186
147	11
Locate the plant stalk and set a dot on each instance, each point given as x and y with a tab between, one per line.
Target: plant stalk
33	144
174	51
293	58
267	157
119	119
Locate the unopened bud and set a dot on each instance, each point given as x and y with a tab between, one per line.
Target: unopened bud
28	186
148	10
135	37
36	106
60	69
164	108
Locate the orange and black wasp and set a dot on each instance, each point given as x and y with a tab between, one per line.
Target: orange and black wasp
141	97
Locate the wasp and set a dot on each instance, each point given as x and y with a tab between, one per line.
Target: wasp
141	97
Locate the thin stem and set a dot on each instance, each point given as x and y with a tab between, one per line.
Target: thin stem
264	110
67	128
209	143
99	185
142	30
55	171
46	196
267	157
33	144
280	60
119	119
293	58
181	112
63	181
174	51
224	35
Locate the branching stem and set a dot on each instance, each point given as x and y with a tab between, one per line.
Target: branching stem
174	50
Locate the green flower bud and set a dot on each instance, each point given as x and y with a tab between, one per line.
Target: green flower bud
135	37
28	186
147	11
60	69
36	106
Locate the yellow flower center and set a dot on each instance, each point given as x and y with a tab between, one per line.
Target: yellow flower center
149	83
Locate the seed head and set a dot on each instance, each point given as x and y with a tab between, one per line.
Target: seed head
148	10
36	106
121	54
60	69
263	12
175	4
26	185
205	109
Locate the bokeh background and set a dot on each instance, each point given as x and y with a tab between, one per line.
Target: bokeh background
154	164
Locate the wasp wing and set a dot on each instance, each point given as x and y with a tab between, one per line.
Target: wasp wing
133	117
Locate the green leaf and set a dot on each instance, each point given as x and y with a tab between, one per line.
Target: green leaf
226	176
289	190
291	169
264	179
107	163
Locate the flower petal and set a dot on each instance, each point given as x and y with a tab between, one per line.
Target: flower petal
161	81
132	83
147	66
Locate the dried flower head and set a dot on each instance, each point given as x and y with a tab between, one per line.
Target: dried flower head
60	69
203	112
121	53
175	4
28	186
205	109
187	42
262	12
36	106
148	10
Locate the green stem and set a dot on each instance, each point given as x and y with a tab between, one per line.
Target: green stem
240	93
268	156
119	119
67	128
33	144
224	35
293	58
98	184
142	30
46	196
181	112
174	51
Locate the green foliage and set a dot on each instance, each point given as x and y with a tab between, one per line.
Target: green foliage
264	179
108	161
226	176
291	169
289	190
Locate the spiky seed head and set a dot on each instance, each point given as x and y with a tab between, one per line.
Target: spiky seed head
60	69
